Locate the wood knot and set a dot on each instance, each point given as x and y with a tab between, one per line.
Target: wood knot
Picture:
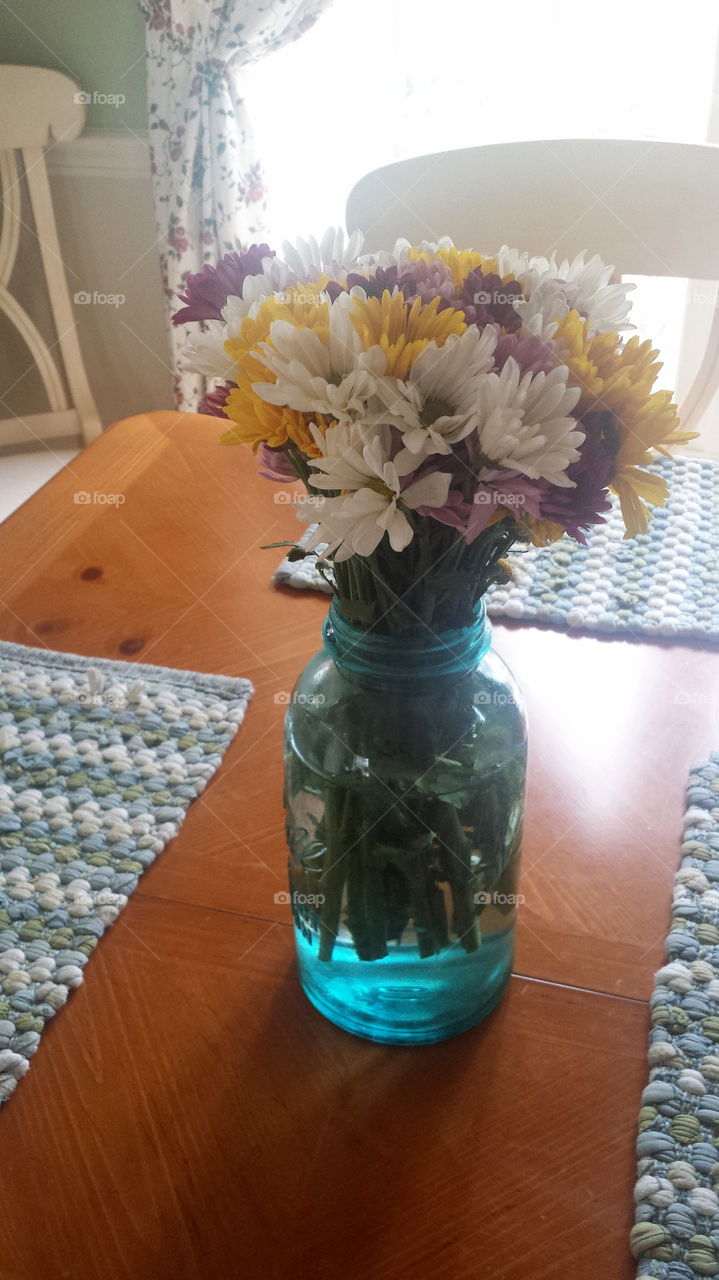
50	626
133	644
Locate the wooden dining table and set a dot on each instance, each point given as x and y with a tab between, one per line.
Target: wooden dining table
189	1114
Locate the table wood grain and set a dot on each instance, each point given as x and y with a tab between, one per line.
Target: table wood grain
189	1113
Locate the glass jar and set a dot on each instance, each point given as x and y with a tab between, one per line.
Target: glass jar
404	792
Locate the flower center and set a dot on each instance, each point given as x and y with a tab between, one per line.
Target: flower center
379	486
433	410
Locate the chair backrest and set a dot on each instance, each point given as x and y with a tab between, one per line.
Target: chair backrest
39	108
650	208
645	205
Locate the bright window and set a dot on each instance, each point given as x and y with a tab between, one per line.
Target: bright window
380	80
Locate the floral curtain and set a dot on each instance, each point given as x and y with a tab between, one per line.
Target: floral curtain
209	189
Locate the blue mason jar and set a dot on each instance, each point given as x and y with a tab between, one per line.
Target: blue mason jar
404	792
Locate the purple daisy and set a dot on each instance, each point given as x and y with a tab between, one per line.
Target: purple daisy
424	280
532	355
455	511
213	402
207	292
486	299
274	464
579	508
374	285
511	492
428	280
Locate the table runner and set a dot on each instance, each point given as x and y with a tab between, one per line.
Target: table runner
676	1234
99	762
662	583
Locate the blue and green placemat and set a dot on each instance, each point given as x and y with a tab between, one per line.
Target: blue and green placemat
676	1234
662	583
99	762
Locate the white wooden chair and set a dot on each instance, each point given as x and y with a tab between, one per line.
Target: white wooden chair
40	108
651	208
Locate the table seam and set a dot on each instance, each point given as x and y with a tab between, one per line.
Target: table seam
287	924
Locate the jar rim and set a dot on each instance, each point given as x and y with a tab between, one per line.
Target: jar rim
429	653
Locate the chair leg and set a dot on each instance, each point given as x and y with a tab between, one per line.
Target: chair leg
65	323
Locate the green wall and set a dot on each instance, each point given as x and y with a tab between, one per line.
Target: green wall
98	43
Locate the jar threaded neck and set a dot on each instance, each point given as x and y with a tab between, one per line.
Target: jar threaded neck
427	653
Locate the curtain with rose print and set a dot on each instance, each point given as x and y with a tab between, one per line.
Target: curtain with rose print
209	189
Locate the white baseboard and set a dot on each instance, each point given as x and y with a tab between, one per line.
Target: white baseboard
101	153
17	432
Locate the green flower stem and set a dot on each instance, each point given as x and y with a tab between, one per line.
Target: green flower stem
428	906
457	867
366	911
438	913
464	916
338	836
384	867
385	881
385	877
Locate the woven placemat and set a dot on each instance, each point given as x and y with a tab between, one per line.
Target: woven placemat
662	583
676	1235
99	762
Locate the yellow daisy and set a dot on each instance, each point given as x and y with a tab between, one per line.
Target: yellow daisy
401	330
254	420
542	532
619	377
309	313
459	261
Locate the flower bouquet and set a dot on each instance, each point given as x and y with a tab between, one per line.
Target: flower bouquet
439	405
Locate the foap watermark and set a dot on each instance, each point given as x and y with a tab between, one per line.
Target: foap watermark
310	299
490	497
83	298
496	298
98	99
488	898
295	899
702	297
494	698
85	499
284	499
113	698
285	699
685	698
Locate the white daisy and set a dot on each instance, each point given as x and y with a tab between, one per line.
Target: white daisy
337	379
398	255
525	423
205	352
437	405
402	247
275	278
369	262
510	262
543	309
331	256
589	290
358	460
552	289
